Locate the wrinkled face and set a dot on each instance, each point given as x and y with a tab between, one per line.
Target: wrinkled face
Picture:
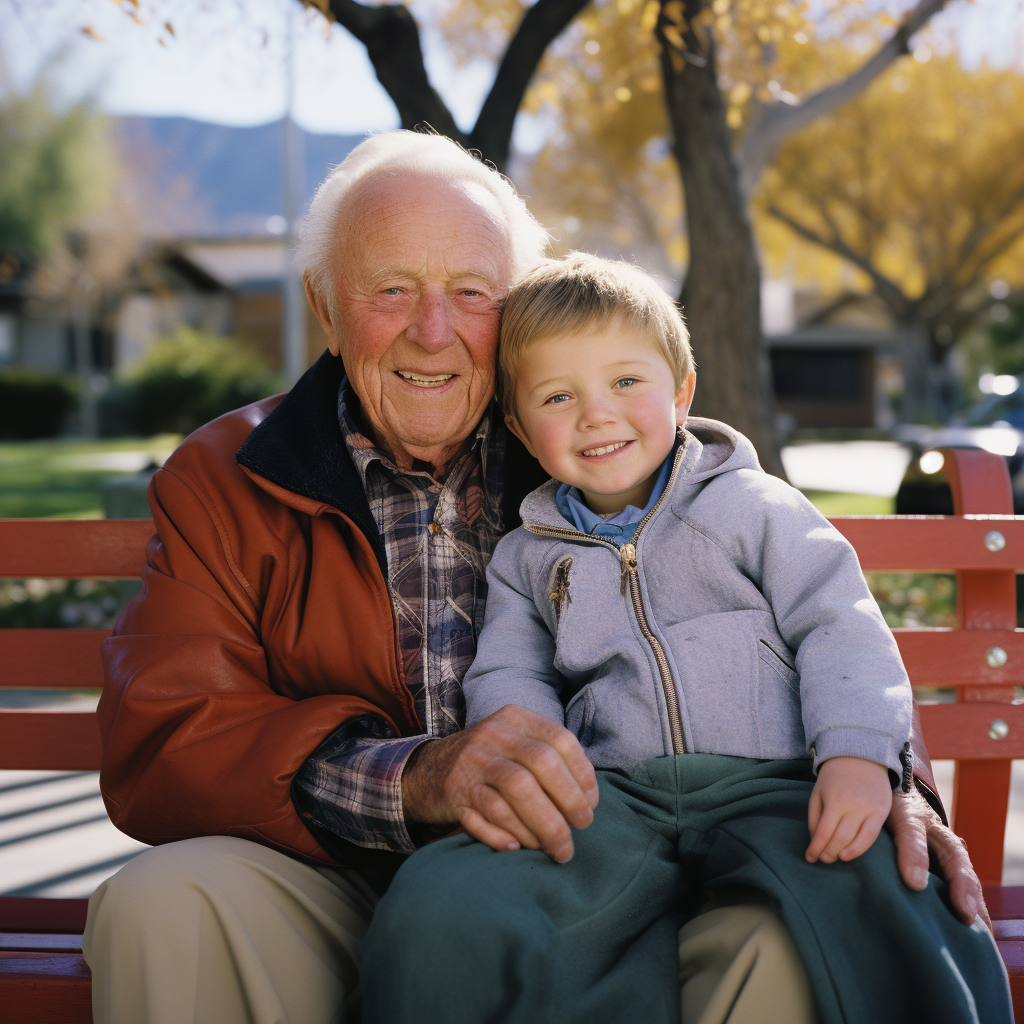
422	270
599	411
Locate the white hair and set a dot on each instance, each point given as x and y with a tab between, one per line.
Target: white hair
401	151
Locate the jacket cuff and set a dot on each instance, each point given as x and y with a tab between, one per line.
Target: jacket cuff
853	741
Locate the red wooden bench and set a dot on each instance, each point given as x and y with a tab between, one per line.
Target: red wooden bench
43	977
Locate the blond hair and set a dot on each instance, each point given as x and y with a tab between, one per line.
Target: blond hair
398	152
580	292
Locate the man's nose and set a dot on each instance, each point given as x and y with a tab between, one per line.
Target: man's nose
432	326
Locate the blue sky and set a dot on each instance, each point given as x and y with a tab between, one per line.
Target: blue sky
226	60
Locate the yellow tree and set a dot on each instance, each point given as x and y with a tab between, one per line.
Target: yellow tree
919	184
736	78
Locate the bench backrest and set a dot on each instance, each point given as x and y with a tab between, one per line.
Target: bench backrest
983	659
60	658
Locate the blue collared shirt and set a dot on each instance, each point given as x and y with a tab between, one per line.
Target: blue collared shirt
620	527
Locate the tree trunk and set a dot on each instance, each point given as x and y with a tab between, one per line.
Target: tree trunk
721	296
919	403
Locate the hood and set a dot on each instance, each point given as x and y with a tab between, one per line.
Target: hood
709	448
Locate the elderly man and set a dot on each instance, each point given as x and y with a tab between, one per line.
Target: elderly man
283	714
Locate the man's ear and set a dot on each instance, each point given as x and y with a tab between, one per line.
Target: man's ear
513	424
322	313
684	398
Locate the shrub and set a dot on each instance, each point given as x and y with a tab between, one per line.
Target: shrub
183	382
34	404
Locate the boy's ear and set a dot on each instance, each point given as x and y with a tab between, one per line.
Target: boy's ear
684	398
513	424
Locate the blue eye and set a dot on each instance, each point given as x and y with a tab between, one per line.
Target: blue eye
393	291
558	399
625	382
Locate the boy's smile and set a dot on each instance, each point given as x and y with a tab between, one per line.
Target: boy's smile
599	410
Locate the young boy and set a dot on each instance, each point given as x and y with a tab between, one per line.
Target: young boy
710	640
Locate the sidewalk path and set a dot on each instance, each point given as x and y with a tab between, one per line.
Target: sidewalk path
850	467
55	837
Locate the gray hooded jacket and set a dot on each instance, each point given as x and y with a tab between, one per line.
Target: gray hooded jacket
737	622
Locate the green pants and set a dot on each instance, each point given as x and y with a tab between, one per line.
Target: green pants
514	937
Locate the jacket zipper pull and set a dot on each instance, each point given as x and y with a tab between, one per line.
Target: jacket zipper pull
560	595
627	555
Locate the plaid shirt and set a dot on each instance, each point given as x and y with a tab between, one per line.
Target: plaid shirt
438	537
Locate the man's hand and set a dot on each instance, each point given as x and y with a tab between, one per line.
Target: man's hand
848	805
515	779
917	832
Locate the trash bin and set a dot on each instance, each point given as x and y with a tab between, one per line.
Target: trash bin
124	497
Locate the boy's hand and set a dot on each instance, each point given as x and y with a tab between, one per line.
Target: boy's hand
849	803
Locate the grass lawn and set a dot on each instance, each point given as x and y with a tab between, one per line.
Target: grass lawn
62	479
832	503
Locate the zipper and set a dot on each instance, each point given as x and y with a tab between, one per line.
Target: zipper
627	553
627	557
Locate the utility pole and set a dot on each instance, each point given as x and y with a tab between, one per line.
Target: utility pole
293	319
82	335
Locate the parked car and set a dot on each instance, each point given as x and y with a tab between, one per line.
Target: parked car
995	423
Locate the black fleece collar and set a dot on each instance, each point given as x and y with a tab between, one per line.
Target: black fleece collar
299	447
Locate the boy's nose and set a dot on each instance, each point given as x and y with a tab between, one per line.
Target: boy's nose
595	412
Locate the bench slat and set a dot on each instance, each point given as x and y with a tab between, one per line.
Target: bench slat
1005	902
42	914
960	731
70	658
45	988
62	740
74	548
52	658
956	657
932	543
35	942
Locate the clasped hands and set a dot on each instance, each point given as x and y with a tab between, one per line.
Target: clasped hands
517	780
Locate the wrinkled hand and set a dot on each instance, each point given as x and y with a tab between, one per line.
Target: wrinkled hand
515	779
918	832
850	801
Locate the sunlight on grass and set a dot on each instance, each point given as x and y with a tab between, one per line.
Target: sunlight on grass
833	503
57	480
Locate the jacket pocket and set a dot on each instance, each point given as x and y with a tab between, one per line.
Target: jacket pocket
717	675
579	716
779	715
783	666
741	694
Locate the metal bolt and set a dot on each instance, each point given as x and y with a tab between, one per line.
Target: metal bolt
995	657
998	729
995	541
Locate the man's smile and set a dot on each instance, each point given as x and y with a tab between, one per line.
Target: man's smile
425	380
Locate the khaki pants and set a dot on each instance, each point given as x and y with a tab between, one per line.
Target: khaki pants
224	931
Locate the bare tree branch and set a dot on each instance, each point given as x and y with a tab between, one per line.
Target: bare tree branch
541	24
888	291
777	121
943	295
392	43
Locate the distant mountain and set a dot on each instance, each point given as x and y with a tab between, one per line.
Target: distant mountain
208	179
